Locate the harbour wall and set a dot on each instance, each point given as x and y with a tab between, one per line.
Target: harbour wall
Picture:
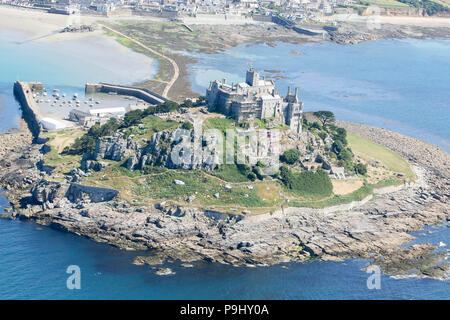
141	93
23	91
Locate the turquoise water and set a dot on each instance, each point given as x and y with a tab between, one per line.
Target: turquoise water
67	65
402	85
33	259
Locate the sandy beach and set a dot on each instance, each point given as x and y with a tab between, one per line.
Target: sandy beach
36	29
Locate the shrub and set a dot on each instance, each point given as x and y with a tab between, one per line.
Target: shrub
251	176
290	156
132	118
258	173
360	168
187	125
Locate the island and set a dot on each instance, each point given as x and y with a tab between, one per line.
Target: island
241	176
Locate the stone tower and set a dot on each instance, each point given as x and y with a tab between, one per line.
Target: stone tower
252	77
294	111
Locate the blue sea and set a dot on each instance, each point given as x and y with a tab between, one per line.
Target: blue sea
402	85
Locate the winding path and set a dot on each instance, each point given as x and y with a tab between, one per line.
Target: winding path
174	64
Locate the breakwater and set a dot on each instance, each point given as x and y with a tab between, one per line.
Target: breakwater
23	91
141	93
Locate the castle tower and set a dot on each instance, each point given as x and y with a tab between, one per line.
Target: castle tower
252	77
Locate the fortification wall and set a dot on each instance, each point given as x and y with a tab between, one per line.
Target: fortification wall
141	93
23	91
77	192
262	17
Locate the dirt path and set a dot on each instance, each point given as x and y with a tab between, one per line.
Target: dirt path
174	64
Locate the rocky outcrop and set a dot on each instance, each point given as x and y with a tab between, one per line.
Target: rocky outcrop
115	148
174	149
373	229
48	194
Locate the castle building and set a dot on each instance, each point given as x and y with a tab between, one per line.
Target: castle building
255	99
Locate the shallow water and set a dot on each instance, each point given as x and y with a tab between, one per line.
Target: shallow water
34	259
64	64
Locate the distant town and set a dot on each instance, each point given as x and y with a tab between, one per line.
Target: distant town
288	11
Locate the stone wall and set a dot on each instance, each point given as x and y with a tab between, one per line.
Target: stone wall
78	192
141	93
23	91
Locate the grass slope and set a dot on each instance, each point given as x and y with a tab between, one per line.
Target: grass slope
377	152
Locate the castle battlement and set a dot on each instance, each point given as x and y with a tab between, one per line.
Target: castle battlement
255	98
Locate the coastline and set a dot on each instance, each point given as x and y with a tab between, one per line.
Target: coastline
378	226
371	230
207	38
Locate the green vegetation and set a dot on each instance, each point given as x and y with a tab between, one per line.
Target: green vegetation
387	183
233	173
308	183
86	143
375	151
357	195
221	124
361	168
325	117
162	186
384	3
290	156
152	124
430	7
187	125
148	126
189	104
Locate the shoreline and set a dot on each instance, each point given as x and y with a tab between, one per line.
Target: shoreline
374	229
351	31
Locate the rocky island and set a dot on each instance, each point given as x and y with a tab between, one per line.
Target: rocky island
160	179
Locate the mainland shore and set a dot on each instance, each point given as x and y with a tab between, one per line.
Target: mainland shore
174	44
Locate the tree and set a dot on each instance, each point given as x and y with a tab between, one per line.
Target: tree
361	168
337	147
290	156
187	103
341	135
286	176
132	117
324	116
